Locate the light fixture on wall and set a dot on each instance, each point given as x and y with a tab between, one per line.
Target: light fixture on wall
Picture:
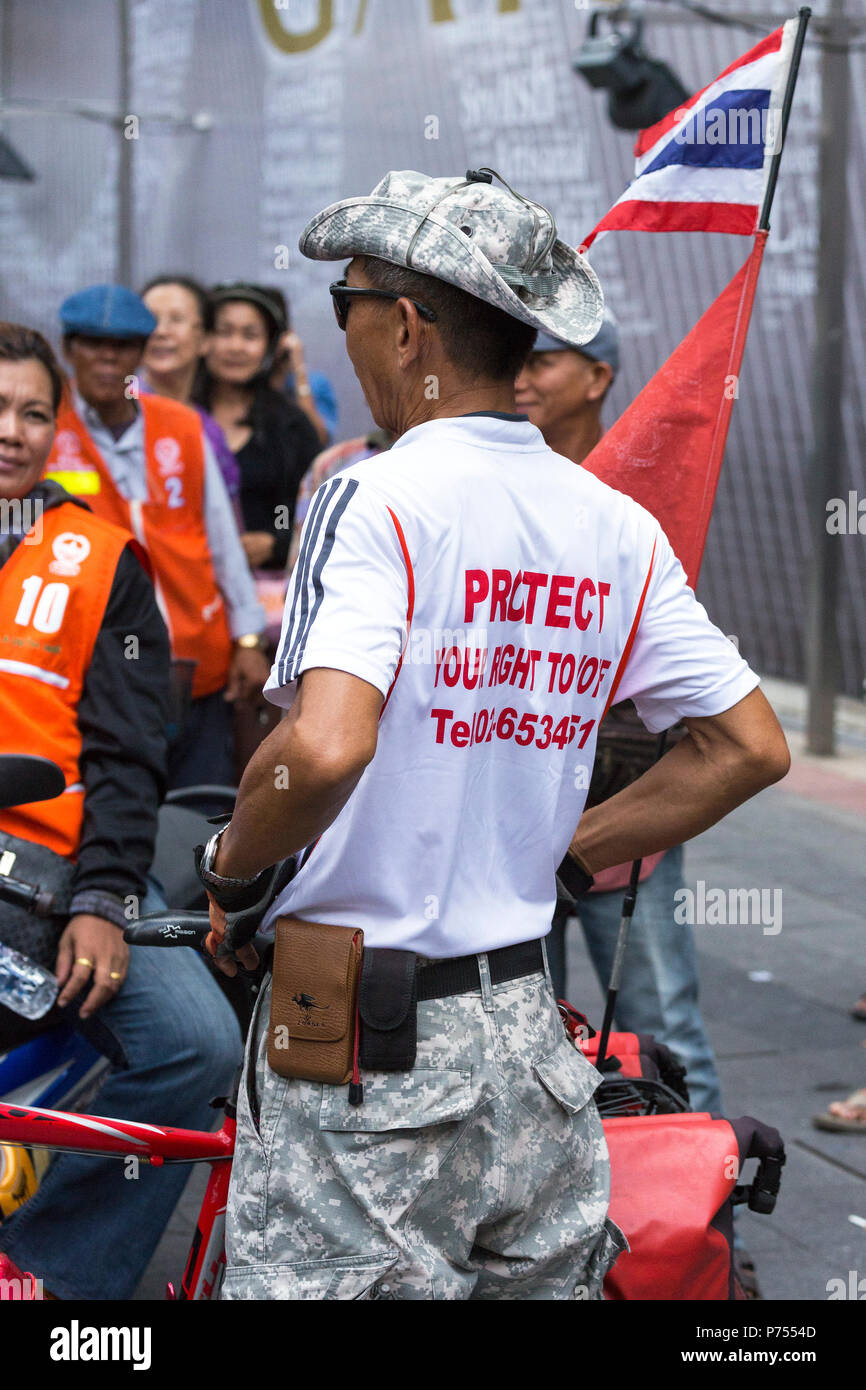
640	89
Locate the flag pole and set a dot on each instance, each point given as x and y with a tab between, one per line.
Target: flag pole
804	15
825	471
628	906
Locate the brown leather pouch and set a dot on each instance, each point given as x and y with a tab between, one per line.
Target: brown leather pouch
314	996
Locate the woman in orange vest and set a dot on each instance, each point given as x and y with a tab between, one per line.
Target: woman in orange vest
145	464
84	680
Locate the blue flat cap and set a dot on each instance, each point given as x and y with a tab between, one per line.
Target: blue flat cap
107	311
604	347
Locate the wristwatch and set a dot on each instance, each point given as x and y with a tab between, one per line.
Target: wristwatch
574	877
231	894
250	641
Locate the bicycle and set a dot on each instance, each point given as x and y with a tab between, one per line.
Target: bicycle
33	1126
59	1068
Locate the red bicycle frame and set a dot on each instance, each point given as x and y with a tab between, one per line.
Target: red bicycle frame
32	1127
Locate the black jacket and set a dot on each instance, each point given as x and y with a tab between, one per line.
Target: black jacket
122	716
272	463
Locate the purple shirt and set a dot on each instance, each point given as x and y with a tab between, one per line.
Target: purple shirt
222	453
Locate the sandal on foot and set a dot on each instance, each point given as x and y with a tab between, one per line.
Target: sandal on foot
859	1009
846	1116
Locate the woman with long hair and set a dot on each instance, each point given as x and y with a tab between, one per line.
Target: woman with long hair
273	441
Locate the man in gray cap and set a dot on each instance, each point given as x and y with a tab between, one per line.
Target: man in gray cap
563	389
449	644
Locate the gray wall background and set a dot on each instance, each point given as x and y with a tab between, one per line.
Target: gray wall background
396	84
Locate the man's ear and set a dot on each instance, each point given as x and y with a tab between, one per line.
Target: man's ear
410	332
602	376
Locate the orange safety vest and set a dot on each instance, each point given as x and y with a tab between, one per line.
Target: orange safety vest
170	525
53	596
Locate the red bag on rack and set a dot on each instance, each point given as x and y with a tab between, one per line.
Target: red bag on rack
675	1178
674	1182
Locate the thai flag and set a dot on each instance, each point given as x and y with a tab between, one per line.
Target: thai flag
704	166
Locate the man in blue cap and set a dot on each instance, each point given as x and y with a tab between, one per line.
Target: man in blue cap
146	464
562	389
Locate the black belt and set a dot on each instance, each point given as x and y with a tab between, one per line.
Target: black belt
460	975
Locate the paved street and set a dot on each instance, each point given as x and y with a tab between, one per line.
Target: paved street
786	1045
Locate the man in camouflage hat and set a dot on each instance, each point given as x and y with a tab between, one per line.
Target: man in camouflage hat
451	640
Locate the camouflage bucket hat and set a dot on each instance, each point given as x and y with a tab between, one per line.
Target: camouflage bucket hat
491	242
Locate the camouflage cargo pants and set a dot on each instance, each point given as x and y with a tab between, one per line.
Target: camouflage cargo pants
483	1173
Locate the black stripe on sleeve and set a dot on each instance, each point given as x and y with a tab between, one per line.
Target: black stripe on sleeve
316	559
309	543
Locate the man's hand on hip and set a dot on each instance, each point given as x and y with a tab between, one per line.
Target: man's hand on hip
726	759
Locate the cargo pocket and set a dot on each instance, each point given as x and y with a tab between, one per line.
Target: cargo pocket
567	1076
572	1081
344	1278
565	1083
611	1244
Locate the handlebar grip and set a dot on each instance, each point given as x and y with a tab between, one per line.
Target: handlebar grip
27	895
45	904
168	929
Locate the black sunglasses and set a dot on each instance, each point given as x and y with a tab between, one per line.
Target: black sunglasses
342	293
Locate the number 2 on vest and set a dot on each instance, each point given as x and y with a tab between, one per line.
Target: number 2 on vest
49	611
174	491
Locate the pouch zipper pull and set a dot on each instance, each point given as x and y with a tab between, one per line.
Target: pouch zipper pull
356	1086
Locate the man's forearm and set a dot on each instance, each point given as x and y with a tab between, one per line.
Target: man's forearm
286	799
682	795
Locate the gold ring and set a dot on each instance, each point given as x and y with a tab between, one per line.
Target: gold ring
82	960
116	975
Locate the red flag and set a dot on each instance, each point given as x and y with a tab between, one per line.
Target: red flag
666	450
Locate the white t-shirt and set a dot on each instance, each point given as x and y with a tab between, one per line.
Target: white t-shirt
494	592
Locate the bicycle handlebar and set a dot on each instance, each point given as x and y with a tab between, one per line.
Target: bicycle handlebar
25	778
28	895
168	929
179	929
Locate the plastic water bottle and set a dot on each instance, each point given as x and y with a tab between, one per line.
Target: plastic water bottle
25	987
